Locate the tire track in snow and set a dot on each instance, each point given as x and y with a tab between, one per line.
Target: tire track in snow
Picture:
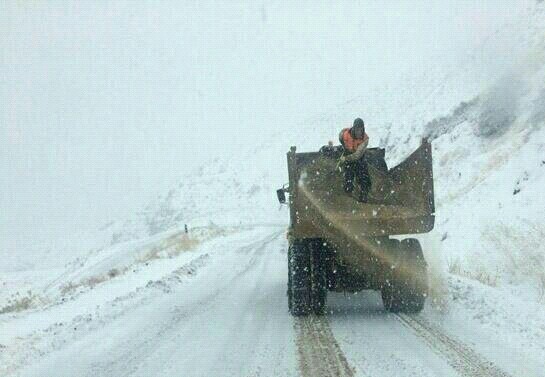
319	352
460	357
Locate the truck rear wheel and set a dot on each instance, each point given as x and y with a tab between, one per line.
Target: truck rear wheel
289	292
299	282
307	277
417	287
319	277
407	288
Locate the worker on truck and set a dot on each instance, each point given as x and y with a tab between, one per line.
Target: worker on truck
355	141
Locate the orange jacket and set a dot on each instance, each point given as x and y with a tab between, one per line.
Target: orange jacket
350	143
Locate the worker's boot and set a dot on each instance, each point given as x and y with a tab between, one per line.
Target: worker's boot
363	197
348	187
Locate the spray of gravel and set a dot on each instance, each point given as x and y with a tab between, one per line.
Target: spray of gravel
437	271
379	252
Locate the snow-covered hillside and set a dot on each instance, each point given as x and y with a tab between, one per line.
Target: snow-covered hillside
490	168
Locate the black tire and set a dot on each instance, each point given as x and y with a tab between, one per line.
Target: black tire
299	279
390	290
406	288
391	298
319	277
417	288
289	293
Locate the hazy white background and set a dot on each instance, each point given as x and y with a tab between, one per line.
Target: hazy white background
105	104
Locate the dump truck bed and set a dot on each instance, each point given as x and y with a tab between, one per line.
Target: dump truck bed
401	199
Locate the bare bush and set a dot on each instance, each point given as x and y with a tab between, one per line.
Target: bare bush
477	272
523	251
538	115
454	266
170	247
113	273
90	282
542	286
19	304
438	285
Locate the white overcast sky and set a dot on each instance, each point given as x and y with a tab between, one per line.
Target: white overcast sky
104	104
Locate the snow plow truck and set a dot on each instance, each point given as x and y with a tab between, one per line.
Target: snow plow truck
339	244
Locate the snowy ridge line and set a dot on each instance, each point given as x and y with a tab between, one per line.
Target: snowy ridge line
319	353
463	359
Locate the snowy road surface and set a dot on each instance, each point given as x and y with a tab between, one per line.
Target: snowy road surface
223	313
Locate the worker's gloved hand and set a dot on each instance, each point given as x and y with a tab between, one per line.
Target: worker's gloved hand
342	159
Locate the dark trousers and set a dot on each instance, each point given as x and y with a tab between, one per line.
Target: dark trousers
357	171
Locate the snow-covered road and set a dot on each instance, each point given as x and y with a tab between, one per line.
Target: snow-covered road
224	313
